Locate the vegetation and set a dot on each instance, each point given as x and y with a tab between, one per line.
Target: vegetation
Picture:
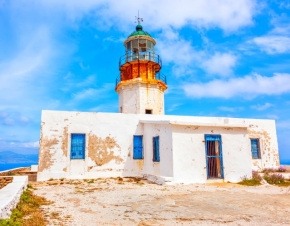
254	181
273	170
281	169
270	176
27	211
276	179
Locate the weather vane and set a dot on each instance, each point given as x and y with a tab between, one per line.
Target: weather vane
138	19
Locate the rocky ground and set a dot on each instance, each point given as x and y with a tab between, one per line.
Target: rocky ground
131	201
4	181
15	172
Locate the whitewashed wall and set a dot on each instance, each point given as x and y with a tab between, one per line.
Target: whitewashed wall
109	145
164	167
190	157
135	97
265	130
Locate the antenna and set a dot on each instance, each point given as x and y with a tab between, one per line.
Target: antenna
138	19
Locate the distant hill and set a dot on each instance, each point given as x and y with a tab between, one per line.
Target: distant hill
12	157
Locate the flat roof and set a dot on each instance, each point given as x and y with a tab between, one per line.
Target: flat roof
187	123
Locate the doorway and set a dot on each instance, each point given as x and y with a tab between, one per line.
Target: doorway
214	160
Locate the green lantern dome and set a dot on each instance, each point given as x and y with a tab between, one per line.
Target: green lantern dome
139	31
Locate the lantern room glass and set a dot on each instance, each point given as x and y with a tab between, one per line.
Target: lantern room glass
142	49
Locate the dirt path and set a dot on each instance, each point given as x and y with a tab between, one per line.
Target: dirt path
130	202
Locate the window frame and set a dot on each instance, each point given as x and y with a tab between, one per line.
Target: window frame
136	147
72	146
156	149
258	148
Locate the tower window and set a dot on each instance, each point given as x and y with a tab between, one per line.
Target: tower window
78	144
148	111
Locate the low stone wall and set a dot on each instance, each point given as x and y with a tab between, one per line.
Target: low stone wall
10	195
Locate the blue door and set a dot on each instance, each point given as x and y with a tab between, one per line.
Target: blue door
214	160
138	147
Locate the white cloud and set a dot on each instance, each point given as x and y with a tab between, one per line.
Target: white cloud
85	94
248	87
173	107
24	71
273	43
226	14
91	93
84	67
89	81
30	144
174	49
13	118
263	107
220	64
177	51
230	109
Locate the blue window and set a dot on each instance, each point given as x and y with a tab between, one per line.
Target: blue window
138	147
78	144
255	147
156	154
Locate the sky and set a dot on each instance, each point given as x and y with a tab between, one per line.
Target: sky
221	58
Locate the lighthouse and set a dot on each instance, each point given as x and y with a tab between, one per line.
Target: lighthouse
140	85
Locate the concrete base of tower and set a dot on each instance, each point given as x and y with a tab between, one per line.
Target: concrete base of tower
138	97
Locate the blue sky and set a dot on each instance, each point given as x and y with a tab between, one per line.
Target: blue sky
221	58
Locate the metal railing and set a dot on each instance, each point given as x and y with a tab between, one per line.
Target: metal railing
140	56
158	76
162	77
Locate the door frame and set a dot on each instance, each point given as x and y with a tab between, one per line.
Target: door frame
214	137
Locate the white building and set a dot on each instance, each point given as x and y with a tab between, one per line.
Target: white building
142	141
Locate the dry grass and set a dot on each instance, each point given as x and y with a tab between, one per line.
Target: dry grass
254	181
277	179
27	211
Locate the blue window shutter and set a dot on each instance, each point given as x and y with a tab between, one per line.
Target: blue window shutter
156	153
78	145
138	147
255	148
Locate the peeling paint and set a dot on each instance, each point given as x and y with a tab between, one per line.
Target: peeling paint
228	128
102	151
64	142
45	157
268	155
140	164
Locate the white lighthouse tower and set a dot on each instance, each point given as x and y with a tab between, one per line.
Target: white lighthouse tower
140	85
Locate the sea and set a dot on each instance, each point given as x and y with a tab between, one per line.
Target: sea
285	162
8	166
